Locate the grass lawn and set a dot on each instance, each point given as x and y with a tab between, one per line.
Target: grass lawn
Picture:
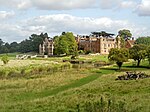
72	90
10	55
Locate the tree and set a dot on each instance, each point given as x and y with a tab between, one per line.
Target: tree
125	34
4	49
119	56
14	47
32	44
36	40
138	52
1	42
148	54
25	46
143	40
65	44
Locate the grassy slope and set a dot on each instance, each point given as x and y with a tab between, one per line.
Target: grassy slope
63	91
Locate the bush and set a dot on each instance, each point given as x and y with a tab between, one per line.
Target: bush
88	52
81	52
5	59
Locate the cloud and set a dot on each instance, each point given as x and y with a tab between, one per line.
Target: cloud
24	5
143	9
63	22
6	15
55	24
63	5
128	4
12	32
109	4
48	4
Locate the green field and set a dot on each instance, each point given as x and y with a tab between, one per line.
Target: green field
75	89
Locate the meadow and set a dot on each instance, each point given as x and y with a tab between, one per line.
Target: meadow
73	88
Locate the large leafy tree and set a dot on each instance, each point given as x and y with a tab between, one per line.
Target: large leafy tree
65	44
138	52
32	44
148	53
14	47
143	40
119	56
124	35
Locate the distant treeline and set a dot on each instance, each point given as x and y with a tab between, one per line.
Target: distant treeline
27	45
64	44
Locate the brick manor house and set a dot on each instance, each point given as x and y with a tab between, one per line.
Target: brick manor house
97	42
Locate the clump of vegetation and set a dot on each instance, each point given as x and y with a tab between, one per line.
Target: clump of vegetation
103	106
138	53
5	59
119	56
133	76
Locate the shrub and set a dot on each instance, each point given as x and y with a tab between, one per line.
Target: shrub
5	59
88	52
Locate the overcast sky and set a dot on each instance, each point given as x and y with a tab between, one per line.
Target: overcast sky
21	18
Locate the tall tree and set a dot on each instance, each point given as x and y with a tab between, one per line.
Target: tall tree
119	56
125	34
14	47
138	52
65	44
32	44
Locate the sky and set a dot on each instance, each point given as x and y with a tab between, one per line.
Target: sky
21	18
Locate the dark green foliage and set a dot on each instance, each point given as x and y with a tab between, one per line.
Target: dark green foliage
88	52
8	48
125	34
27	45
102	33
5	59
119	56
32	44
143	40
138	52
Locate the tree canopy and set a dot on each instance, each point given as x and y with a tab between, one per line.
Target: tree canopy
65	44
138	52
102	33
143	40
125	34
148	53
118	55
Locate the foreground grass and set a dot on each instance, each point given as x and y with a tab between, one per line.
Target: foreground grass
76	89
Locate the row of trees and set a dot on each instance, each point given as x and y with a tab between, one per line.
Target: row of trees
138	52
27	45
64	44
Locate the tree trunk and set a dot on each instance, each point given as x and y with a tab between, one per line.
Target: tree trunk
119	64
138	64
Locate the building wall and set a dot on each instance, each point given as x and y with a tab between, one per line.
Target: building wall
100	45
46	47
97	45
